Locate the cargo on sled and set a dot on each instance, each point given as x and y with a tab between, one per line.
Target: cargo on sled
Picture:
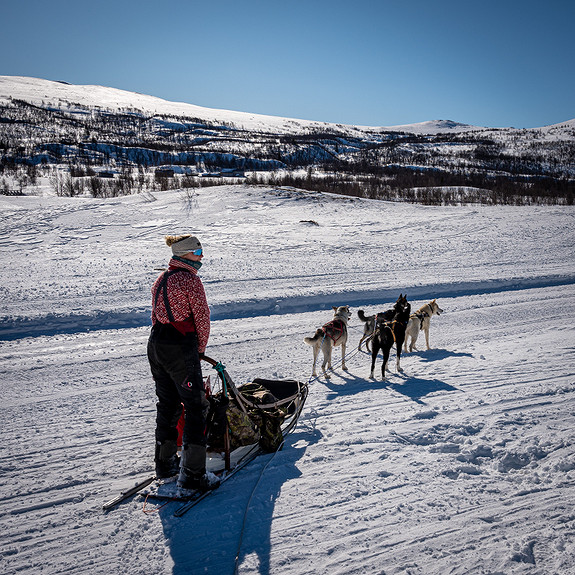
253	417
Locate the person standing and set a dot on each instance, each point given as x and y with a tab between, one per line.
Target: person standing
178	339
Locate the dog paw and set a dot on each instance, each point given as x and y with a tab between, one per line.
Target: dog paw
344	368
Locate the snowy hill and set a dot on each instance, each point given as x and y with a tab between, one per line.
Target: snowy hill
38	91
57	128
462	463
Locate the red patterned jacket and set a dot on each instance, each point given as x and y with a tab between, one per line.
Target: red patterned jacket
187	302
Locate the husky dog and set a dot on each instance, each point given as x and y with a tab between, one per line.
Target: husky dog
419	321
387	332
369	325
330	335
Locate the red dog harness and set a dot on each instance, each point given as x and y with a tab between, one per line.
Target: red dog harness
334	329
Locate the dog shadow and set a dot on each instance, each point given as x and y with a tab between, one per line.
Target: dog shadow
347	384
208	538
414	388
434	354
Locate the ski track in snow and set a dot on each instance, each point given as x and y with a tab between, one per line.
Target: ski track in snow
462	463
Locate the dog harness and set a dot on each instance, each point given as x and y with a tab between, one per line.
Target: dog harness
421	315
389	326
334	329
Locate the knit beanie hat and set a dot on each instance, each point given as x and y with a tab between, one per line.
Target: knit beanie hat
182	245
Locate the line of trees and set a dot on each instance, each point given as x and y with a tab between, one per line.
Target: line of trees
432	187
427	187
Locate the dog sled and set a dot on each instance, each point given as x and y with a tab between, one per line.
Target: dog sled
255	416
244	421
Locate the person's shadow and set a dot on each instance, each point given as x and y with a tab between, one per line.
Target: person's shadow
234	523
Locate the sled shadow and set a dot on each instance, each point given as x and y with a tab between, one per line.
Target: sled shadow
208	538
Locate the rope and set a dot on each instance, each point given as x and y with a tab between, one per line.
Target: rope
244	520
149	511
244	401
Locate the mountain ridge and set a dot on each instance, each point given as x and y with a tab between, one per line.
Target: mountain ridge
67	132
36	90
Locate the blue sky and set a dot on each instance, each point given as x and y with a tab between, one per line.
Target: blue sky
366	62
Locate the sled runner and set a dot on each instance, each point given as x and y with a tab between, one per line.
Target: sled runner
244	422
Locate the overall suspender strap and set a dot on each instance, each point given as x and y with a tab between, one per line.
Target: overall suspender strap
163	289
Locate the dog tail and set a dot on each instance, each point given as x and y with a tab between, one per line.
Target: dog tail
312	340
362	316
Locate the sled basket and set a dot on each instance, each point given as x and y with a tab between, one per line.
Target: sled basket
262	412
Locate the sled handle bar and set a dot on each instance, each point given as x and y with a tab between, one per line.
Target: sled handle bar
221	369
217	365
207	359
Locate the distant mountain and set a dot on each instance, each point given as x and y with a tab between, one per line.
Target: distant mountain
94	128
39	92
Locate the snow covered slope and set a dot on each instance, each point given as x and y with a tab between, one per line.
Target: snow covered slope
37	91
463	463
53	126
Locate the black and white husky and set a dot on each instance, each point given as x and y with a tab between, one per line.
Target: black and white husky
390	331
330	335
419	321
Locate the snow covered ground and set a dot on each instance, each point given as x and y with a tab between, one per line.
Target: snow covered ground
463	463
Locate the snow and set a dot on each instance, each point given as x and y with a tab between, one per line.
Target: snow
462	463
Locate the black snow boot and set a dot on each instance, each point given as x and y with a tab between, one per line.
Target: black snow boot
193	475
167	460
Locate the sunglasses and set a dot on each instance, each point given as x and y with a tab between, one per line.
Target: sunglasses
198	252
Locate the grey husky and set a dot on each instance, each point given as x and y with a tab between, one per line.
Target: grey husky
368	328
330	335
369	322
419	321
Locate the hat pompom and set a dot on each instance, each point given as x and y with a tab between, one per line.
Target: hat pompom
173	239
